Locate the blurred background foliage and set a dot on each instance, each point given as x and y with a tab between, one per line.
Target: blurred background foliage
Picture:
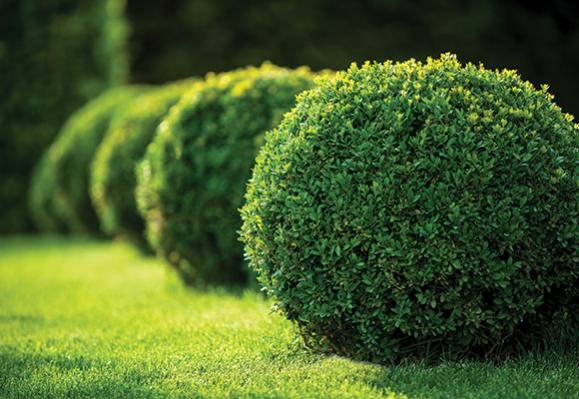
56	54
176	38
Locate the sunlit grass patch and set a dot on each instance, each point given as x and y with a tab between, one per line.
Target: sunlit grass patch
93	319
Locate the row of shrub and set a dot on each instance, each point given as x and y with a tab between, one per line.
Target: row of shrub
198	138
398	209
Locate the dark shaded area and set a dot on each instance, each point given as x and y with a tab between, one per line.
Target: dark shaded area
540	375
54	56
177	38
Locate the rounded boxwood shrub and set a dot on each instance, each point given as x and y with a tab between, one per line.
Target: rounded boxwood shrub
54	56
113	170
417	208
70	158
192	179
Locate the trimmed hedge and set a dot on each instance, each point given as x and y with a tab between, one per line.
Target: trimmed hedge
192	179
410	208
61	187
54	56
113	169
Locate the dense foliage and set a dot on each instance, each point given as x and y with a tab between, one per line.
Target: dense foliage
418	208
61	187
54	56
192	179
113	170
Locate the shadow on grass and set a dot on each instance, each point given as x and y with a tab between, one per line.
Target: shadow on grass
56	376
534	375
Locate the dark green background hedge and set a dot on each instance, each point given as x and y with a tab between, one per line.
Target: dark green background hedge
54	56
179	38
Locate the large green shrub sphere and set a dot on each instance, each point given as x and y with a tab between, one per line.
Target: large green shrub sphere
193	176
113	170
65	190
417	208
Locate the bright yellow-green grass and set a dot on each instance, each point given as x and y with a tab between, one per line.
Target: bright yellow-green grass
81	319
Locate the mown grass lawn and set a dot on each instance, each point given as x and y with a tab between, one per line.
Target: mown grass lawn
91	319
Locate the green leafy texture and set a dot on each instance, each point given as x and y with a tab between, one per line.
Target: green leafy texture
113	170
61	186
192	179
410	208
54	56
